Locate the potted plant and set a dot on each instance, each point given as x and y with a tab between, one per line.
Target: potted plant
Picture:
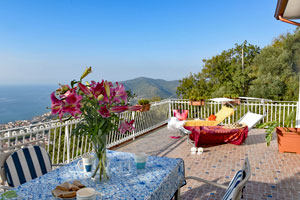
197	101
235	97
237	101
145	103
288	138
227	96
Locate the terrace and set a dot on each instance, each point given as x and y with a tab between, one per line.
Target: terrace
274	175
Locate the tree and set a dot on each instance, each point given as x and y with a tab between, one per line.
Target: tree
271	72
222	74
276	69
195	84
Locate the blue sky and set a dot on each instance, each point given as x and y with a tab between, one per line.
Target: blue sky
49	42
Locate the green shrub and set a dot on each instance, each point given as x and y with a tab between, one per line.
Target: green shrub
143	101
197	98
233	96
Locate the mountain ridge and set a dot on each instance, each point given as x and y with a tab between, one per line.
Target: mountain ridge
145	87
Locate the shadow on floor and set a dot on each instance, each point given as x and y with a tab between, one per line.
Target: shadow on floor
170	147
156	143
257	139
253	190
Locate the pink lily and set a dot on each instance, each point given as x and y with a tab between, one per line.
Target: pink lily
135	108
120	93
126	126
118	109
104	112
56	105
85	90
73	99
97	88
67	93
63	89
74	111
72	104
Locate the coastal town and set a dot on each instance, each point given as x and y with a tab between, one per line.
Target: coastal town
21	123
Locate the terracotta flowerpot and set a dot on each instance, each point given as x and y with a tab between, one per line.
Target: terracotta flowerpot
197	103
237	101
288	141
145	108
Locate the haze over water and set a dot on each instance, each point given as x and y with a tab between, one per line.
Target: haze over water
24	102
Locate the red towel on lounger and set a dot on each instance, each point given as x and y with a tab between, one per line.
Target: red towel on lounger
212	135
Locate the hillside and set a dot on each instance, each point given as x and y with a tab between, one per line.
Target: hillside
148	87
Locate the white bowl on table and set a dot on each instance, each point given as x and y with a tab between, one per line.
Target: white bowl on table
86	194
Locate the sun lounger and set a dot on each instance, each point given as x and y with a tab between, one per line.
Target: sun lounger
220	117
201	135
250	119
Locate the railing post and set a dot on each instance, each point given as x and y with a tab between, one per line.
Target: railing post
170	112
298	110
133	132
67	142
9	136
298	115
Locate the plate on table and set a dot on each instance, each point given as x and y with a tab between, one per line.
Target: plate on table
65	198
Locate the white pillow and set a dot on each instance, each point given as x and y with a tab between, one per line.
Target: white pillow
174	123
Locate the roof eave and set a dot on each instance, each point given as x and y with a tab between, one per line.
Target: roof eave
280	8
279	13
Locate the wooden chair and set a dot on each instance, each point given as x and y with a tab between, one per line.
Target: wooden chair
234	190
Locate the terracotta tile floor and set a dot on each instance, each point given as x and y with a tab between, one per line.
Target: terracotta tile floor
273	175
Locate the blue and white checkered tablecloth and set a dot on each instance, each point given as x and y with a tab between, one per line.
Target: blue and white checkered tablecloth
158	181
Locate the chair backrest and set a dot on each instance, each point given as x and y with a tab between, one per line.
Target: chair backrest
26	164
7	151
224	113
237	184
251	119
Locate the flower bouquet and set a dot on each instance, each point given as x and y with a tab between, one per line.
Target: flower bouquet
98	105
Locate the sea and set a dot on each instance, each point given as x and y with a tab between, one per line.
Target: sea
21	102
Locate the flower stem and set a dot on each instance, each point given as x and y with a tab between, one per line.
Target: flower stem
96	170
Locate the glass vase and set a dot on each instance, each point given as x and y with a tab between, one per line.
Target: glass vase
101	162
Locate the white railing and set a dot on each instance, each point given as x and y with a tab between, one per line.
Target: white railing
63	146
274	111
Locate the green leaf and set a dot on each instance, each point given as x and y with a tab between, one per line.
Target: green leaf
268	138
101	123
9	194
73	83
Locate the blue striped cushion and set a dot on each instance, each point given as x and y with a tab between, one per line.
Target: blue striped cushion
26	164
238	177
